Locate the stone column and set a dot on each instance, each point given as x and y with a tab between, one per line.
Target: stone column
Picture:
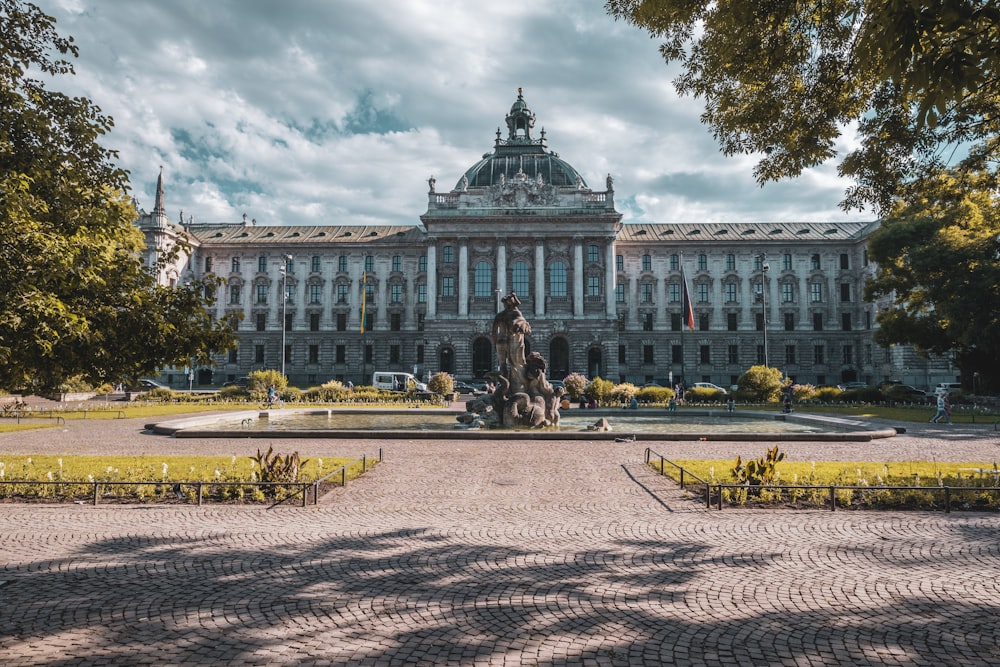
578	276
502	266
463	279
432	285
609	279
539	278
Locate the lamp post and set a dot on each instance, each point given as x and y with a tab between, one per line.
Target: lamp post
763	302
284	301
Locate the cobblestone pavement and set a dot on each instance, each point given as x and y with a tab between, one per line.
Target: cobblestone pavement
497	553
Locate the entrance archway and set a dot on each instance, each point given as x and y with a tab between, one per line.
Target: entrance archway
558	358
482	357
595	363
447	360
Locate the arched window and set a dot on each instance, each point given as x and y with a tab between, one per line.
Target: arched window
557	279
519	278
483	282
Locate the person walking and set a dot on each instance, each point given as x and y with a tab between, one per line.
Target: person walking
942	409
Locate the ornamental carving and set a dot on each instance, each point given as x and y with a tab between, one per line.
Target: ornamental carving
521	192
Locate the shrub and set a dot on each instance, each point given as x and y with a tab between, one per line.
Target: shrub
704	395
762	471
233	393
827	394
74	384
160	394
861	395
262	379
623	393
761	384
654	394
575	385
105	389
599	390
441	383
291	394
803	392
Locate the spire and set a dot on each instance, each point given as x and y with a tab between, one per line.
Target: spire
159	210
520	120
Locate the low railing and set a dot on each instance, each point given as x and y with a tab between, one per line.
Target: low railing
715	490
299	489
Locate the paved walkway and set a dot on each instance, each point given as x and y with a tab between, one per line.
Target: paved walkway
497	553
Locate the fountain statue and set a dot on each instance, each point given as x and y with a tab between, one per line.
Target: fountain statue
522	396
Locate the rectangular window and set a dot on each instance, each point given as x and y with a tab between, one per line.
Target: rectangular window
593	254
420	354
395	321
646	292
705	354
422	293
341	321
760	355
342	291
262	264
314	354
647	354
621	354
261	321
233	356
422	264
262	294
759	323
341	351
814	262
315	293
288	354
289	293
817	321
676	354
342	263
703	320
288	321
675	263
236	265
702	290
848	354
420	321
675	321
730	262
674	292
647	263
370	293
593	285
519	278
789	354
448	286
396	293
734	354
313	321
845	321
647	321
789	321
369	263
397	263
845	292
787	292
703	262
448	254
786	262
816	292
394	354
557	279
818	354
620	293
369	321
619	263
234	294
369	353
315	264
258	354
731	322
845	261
621	321
730	292
208	265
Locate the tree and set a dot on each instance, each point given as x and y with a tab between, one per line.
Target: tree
762	383
75	298
938	259
784	78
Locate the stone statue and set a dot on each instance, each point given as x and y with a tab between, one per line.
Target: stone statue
522	395
465	182
431	182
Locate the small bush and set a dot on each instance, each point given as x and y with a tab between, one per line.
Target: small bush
575	385
441	383
704	395
654	394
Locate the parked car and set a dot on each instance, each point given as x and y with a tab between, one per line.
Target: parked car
238	382
709	386
904	392
947	388
479	386
145	384
844	386
463	387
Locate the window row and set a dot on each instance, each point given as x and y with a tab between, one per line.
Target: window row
315	264
789	321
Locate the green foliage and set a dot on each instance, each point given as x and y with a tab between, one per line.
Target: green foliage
75	296
938	262
441	383
762	384
291	395
704	395
623	393
575	385
277	469
260	381
827	394
762	471
75	384
654	394
781	80
805	392
599	390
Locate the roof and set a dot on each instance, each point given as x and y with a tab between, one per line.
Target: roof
752	232
304	234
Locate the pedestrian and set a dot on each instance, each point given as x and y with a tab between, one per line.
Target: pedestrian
731	404
943	409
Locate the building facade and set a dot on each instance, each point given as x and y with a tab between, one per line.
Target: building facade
604	298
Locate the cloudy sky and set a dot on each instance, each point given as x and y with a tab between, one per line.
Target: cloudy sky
337	111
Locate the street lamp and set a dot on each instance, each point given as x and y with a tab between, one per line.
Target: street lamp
284	300
763	302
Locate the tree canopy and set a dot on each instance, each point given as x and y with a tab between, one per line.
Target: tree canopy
75	297
938	259
782	79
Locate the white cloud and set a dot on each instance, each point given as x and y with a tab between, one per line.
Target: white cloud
308	111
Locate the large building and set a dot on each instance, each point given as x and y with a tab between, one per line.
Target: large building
603	298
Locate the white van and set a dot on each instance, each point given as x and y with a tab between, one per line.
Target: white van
396	381
948	388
